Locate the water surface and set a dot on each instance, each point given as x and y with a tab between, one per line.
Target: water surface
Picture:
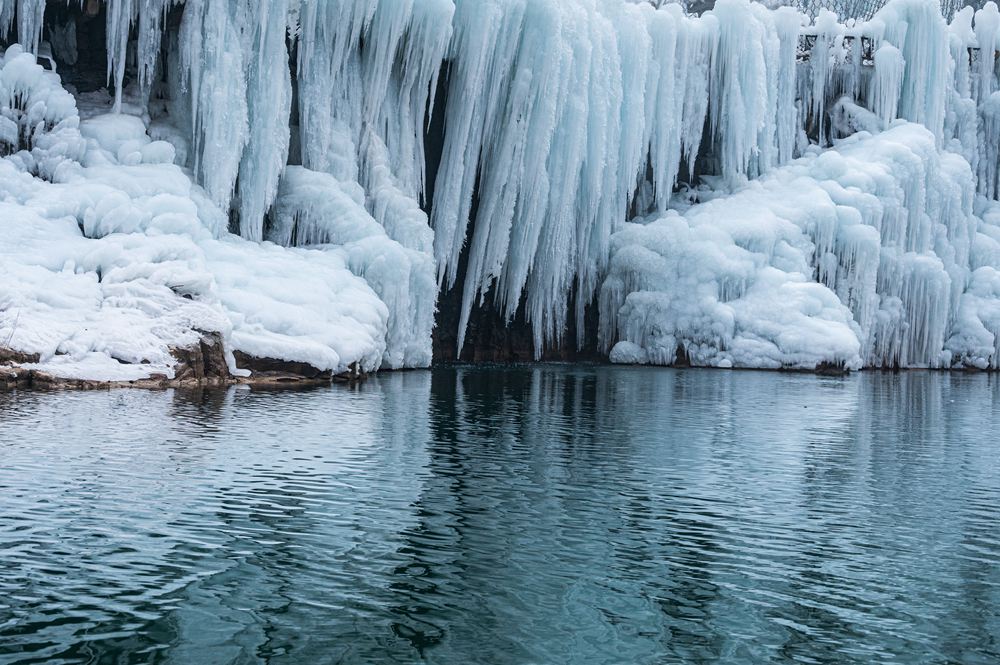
547	514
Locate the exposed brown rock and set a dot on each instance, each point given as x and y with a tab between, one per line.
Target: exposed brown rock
13	357
202	363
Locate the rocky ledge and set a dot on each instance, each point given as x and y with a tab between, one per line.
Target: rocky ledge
199	365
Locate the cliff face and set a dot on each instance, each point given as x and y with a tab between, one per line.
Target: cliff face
322	183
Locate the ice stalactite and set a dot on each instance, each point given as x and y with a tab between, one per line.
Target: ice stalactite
213	66
269	98
524	205
918	30
826	29
392	50
788	23
887	82
677	96
568	97
152	14
961	120
120	16
404	115
29	22
989	163
8	9
988	40
739	107
482	50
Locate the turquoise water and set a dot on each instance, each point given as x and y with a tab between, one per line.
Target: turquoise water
544	514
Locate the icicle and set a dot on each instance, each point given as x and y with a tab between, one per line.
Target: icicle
29	21
961	121
404	117
666	116
382	38
827	29
119	18
269	96
486	33
988	40
788	22
989	161
887	82
7	12
739	105
916	28
151	16
962	38
212	61
634	45
528	121
329	77
700	45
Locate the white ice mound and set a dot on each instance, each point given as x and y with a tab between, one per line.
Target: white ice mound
862	255
38	119
115	257
316	209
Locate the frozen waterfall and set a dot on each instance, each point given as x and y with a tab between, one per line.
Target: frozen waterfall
304	177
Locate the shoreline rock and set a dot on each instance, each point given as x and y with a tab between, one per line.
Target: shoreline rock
202	365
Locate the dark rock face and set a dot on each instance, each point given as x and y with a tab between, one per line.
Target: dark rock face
492	339
272	370
832	369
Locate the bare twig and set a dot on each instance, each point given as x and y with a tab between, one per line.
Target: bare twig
13	329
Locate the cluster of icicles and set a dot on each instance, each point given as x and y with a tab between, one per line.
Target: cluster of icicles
561	118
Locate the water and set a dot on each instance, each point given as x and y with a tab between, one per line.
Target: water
532	515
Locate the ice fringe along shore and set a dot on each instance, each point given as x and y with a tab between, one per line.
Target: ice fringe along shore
739	189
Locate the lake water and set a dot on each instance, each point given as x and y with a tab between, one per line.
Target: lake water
541	514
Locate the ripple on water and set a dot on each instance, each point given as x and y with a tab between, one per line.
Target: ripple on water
548	514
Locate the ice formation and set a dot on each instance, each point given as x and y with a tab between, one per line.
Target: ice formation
855	256
305	176
112	256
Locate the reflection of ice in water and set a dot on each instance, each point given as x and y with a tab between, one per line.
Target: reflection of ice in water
543	514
